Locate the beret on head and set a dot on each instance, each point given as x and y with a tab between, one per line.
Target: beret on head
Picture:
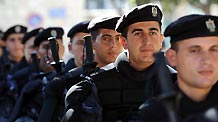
146	12
80	27
13	30
30	34
192	26
108	22
56	32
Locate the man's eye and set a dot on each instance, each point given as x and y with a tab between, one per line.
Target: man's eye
214	49
194	50
137	34
106	39
12	40
153	33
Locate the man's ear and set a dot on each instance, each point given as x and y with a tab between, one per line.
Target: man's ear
171	57
70	48
123	42
161	40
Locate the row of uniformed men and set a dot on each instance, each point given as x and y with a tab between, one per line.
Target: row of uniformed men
134	87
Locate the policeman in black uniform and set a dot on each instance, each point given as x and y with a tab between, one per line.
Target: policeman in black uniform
27	41
13	42
102	28
133	79
26	66
12	55
76	44
32	92
194	51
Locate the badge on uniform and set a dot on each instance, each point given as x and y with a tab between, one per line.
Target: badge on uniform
210	25
53	33
17	29
154	11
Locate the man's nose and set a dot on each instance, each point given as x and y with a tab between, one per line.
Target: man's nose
206	57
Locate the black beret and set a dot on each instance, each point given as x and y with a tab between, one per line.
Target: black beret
14	29
146	12
56	32
30	34
80	27
108	22
191	26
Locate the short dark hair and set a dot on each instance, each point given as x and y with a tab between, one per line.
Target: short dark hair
174	46
94	34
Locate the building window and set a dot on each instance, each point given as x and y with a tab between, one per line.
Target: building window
105	4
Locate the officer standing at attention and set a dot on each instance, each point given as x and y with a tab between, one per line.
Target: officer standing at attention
194	52
106	46
76	44
122	89
51	109
13	43
32	92
29	48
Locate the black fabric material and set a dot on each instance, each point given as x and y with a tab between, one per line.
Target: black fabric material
82	99
191	26
103	23
56	32
187	110
146	12
13	30
80	27
54	91
122	90
22	64
70	65
30	34
188	107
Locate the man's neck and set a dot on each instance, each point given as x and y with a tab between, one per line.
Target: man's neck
14	58
140	67
195	94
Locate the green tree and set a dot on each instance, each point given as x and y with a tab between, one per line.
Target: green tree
169	5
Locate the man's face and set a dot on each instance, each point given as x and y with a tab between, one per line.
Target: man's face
29	48
107	46
14	45
197	62
77	46
143	40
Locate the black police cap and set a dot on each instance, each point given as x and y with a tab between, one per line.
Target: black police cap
146	12
56	32
14	29
101	22
80	27
30	34
191	26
